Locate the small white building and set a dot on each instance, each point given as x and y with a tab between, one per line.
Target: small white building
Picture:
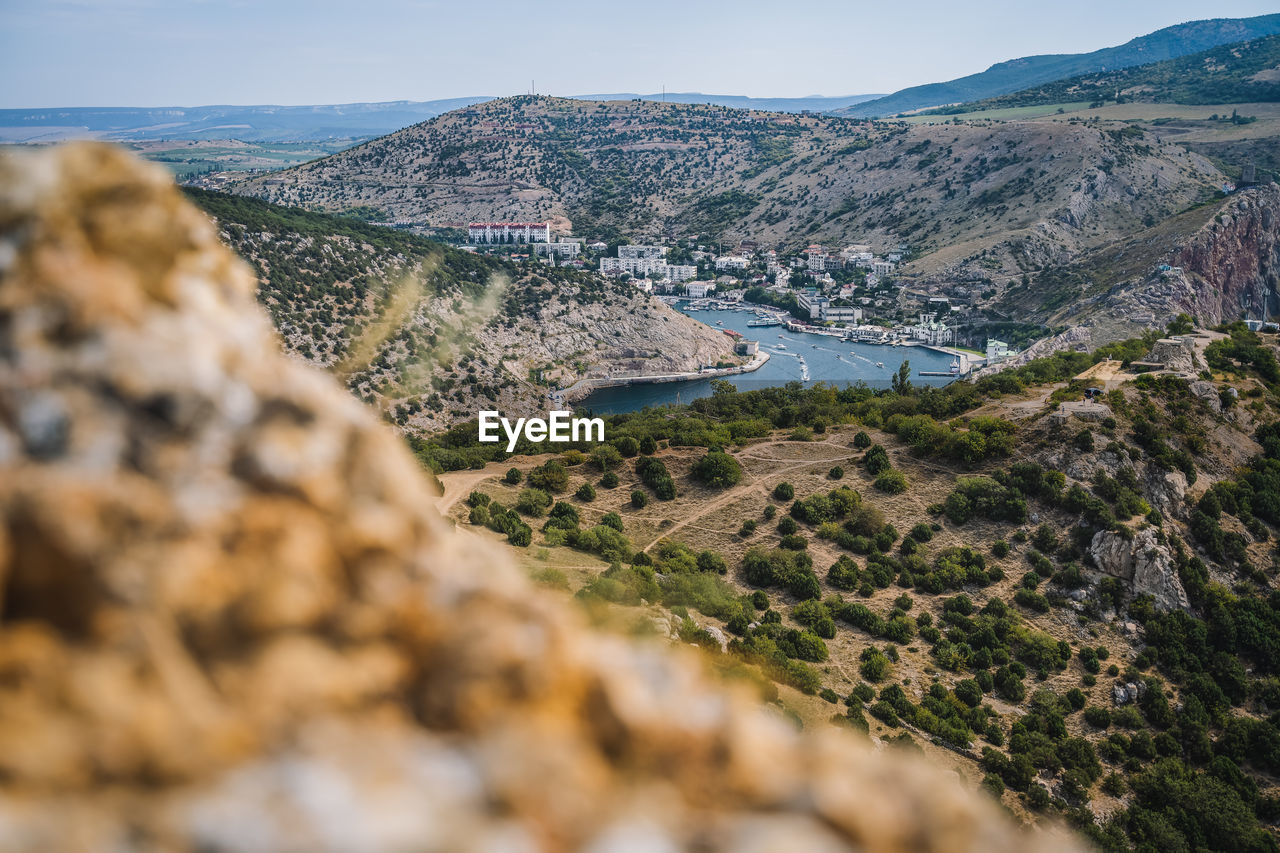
698	289
997	351
842	314
732	262
882	268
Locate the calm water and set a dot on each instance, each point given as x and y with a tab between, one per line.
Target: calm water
828	360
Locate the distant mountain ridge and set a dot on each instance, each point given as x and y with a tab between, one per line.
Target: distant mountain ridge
255	123
1017	74
1232	74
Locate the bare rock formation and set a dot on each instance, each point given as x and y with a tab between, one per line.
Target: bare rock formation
230	620
1175	354
1146	565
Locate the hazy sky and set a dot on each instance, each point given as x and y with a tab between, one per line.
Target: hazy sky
189	52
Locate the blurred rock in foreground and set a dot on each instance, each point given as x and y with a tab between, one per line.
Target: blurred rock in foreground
232	622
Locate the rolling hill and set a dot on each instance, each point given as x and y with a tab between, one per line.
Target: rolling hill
1018	74
638	168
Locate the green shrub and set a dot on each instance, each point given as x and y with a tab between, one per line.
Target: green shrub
892	482
533	501
718	470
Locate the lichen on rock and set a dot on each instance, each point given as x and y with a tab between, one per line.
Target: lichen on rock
231	620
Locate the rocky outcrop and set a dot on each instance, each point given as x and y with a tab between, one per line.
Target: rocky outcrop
1208	392
231	621
1123	694
1143	563
1166	491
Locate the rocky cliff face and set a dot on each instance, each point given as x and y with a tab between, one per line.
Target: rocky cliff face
231	622
1233	263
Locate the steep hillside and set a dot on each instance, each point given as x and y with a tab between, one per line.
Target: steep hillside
430	335
1237	73
1217	262
608	168
1073	604
1018	74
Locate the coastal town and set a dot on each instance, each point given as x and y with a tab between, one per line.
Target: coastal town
851	293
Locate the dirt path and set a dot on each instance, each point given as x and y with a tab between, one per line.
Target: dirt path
752	485
458	485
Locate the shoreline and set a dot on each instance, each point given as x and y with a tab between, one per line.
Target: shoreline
585	386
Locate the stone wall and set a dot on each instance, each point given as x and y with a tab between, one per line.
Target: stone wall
230	620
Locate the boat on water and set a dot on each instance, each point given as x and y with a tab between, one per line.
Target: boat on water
879	364
782	346
955	366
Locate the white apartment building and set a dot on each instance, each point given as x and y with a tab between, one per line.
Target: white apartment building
698	289
509	232
824	263
563	248
627	251
679	272
638	267
882	268
643	267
